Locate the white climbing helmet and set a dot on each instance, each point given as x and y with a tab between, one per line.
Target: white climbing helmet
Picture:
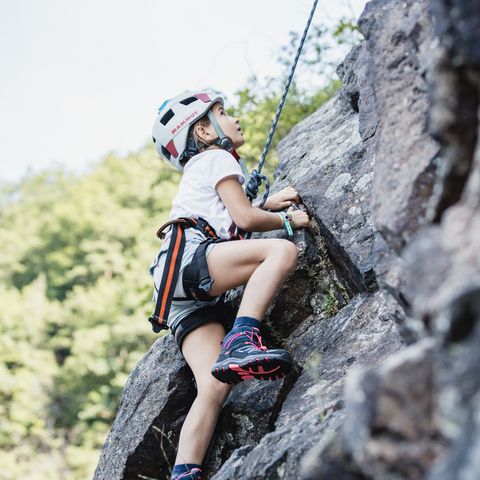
175	117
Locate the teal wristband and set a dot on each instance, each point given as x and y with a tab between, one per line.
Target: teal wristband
286	224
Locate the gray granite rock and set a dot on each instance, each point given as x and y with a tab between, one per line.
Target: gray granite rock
325	158
400	42
389	428
313	408
155	401
464	459
455	97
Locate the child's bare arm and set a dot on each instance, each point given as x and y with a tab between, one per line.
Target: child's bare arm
245	216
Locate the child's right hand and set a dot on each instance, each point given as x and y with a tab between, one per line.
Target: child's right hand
300	219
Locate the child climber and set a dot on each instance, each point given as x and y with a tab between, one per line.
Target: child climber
204	254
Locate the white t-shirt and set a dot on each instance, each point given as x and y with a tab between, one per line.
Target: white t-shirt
197	197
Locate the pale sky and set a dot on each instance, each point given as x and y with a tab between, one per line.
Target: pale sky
84	78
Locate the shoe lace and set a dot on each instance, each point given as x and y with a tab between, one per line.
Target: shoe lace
251	341
254	339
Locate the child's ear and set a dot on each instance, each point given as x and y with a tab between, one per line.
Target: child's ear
201	131
199	128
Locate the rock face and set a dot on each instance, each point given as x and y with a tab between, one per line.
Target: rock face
382	313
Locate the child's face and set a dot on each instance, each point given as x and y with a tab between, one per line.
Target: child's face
229	125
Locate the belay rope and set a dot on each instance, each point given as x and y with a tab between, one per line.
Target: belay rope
256	177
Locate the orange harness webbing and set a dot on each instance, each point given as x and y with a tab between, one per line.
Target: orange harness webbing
173	262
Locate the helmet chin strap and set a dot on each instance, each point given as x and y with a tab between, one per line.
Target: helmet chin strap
222	141
227	144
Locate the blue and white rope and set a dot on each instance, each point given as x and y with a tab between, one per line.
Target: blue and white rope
256	178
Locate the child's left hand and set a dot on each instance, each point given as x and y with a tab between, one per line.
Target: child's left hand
282	199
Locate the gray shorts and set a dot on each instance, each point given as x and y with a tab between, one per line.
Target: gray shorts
183	307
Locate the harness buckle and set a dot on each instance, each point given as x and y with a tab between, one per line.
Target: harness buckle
206	228
204	286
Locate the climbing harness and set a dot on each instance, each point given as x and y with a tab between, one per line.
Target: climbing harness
256	177
172	267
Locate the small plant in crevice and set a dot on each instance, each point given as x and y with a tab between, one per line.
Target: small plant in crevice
332	283
161	436
330	302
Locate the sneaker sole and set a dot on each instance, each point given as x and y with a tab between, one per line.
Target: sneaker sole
234	371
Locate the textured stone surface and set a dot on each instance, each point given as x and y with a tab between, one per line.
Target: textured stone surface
156	398
389	428
399	40
455	97
464	459
314	406
333	173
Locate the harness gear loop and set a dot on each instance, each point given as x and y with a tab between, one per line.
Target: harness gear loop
187	221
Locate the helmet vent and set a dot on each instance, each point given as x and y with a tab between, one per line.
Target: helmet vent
166	153
188	100
163	105
203	97
166	118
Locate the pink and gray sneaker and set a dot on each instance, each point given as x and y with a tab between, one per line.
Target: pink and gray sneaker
244	357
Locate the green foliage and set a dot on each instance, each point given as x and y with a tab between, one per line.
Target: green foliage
326	46
74	288
74	297
78	230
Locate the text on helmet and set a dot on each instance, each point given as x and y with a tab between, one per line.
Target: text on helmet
185	120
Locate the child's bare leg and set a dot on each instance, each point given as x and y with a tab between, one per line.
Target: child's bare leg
266	280
261	264
200	349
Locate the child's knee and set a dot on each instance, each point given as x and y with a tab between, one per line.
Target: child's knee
289	253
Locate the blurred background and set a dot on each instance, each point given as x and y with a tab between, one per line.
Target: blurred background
82	191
